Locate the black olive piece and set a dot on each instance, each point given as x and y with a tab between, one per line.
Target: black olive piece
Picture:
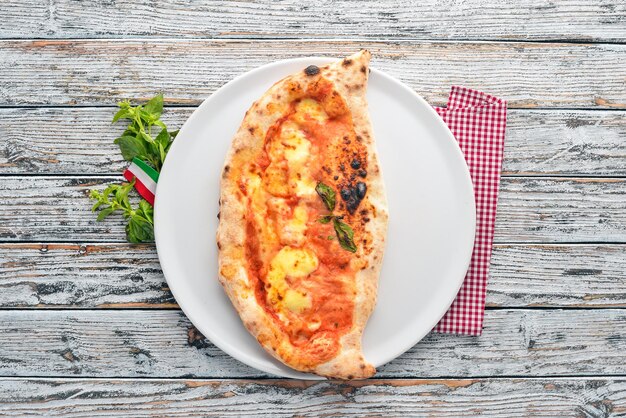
312	70
356	164
362	173
361	189
346	194
336	178
352	204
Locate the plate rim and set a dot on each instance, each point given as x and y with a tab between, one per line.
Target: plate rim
220	343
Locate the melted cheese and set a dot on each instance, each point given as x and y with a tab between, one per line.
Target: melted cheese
276	179
258	203
294	263
292	232
296	148
309	108
288	172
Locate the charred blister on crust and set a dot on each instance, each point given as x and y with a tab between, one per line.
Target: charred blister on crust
346	62
312	70
352	194
361	189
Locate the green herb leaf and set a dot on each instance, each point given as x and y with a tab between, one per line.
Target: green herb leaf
325	219
163	142
147	118
104	213
327	194
121	114
146	137
139	229
131	147
345	235
155	106
120	194
160	123
163	138
146	210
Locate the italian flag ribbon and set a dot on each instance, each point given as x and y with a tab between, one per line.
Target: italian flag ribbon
145	178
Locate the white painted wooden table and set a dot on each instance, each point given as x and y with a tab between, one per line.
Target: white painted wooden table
87	324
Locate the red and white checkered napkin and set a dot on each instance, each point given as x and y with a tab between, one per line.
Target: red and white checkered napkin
478	122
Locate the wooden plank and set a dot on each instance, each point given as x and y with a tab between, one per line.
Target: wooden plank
484	19
80	276
572	142
591	397
529	210
557	275
561	210
187	71
80	141
129	276
163	343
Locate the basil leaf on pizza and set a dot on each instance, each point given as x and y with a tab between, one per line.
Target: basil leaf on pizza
327	194
326	219
300	182
345	235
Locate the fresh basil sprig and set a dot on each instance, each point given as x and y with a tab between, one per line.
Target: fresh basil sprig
115	198
345	234
137	140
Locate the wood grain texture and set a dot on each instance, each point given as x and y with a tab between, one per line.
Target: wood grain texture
187	71
163	343
600	397
113	276
557	275
529	210
484	19
79	141
75	140
561	210
554	142
80	276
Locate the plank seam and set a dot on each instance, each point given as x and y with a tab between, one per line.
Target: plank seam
380	38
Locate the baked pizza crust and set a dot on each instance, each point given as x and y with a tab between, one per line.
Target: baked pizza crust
349	77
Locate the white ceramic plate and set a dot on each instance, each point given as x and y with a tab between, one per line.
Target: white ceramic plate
431	216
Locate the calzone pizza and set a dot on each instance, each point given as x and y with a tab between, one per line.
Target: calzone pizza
303	219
